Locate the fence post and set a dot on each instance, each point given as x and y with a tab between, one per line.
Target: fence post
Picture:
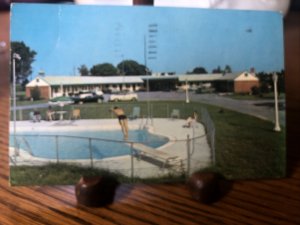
57	152
20	114
132	162
188	155
213	146
210	132
168	111
91	152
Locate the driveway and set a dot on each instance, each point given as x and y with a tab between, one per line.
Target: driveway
263	109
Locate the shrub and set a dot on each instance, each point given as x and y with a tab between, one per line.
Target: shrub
255	90
35	93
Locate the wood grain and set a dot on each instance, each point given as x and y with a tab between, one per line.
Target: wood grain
247	202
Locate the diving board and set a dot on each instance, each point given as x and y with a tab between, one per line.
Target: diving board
143	150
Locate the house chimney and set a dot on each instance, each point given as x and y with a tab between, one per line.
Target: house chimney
41	73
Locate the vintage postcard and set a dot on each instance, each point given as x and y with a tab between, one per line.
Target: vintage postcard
145	94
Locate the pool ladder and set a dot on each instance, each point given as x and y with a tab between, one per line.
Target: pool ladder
23	139
146	122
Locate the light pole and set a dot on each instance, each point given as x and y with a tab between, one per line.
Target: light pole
150	51
277	126
18	57
187	99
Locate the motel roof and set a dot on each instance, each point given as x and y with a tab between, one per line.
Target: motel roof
80	80
199	77
216	77
90	80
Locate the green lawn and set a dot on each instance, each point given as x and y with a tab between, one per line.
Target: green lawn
28	102
52	174
66	174
268	96
246	147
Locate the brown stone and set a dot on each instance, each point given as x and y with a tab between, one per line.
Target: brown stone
204	186
96	191
143	2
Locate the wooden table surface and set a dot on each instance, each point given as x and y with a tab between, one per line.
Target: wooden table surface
248	202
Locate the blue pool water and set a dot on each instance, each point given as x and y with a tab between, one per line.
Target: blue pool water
80	145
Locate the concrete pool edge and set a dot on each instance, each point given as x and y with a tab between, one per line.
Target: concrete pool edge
171	129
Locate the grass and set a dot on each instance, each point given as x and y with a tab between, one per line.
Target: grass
53	174
67	174
246	147
267	96
102	110
28	102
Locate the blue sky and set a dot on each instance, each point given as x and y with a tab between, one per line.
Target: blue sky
67	36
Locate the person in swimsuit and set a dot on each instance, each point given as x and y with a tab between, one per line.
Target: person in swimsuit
191	119
123	121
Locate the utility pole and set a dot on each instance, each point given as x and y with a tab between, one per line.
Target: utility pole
14	57
277	125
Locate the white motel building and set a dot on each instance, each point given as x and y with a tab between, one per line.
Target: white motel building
54	86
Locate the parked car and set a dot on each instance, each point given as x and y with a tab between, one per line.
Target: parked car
88	96
123	96
61	101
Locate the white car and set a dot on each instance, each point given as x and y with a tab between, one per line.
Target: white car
61	101
123	96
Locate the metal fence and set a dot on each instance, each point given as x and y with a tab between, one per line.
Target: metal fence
195	151
210	131
153	109
93	152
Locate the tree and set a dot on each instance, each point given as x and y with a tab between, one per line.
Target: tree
131	67
217	70
266	82
199	70
35	93
83	70
281	82
227	69
23	67
104	69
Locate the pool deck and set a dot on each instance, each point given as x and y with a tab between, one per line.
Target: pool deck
148	166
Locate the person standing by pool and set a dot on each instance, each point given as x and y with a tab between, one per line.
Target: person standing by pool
50	114
123	121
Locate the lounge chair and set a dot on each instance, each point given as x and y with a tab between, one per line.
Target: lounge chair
136	113
175	114
31	116
75	114
35	116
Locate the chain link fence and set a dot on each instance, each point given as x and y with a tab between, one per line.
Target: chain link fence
193	152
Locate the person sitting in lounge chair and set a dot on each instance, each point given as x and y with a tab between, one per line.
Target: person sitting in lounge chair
190	120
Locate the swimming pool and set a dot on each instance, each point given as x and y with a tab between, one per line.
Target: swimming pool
83	145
